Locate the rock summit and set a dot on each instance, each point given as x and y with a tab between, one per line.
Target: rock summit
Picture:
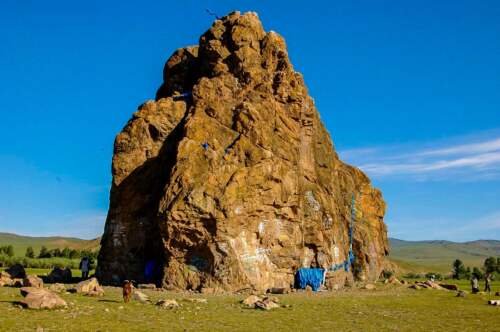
230	180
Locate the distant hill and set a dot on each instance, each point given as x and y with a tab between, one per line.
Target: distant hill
20	242
438	256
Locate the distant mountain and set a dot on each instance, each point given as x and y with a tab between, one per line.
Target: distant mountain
438	255
21	242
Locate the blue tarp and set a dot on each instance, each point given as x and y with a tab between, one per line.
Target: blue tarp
150	271
311	277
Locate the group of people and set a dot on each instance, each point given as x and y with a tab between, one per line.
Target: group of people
475	284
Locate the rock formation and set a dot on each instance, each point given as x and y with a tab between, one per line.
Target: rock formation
230	180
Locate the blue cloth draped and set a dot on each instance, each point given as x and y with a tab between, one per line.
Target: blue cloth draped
311	277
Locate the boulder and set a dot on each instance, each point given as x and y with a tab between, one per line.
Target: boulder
278	290
57	287
415	286
40	298
266	304
59	275
32	281
168	304
140	297
16	271
369	286
89	287
232	177
433	285
5	279
17	282
393	280
147	286
451	287
250	301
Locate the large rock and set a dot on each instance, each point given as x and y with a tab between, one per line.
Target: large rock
16	271
40	298
58	275
140	297
168	304
238	184
89	287
5	279
33	281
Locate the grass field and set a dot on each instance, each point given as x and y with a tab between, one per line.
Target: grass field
388	308
438	256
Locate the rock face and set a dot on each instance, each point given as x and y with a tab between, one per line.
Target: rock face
230	180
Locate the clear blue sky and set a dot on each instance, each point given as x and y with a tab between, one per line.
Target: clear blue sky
409	90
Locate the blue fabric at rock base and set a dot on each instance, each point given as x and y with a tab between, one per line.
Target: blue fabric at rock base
311	277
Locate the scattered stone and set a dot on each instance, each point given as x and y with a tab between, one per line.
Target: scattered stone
451	287
59	275
40	298
89	287
277	290
5	279
57	287
168	304
17	282
197	300
33	281
140	296
250	301
16	271
432	284
415	286
120	307
461	293
272	298
147	286
369	286
266	304
392	280
106	310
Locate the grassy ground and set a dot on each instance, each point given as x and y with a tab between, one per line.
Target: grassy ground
388	308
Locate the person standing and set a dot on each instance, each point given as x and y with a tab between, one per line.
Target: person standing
487	283
475	285
85	267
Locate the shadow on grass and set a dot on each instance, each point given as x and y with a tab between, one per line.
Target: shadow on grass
111	301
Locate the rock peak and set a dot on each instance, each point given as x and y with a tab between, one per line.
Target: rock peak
229	179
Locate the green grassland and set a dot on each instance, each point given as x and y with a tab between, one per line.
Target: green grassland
438	256
388	308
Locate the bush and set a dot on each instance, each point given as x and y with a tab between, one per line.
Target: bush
413	275
39	263
436	276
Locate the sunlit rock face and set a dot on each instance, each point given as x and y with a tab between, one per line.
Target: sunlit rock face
229	179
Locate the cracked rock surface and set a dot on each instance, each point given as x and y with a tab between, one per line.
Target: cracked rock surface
229	178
